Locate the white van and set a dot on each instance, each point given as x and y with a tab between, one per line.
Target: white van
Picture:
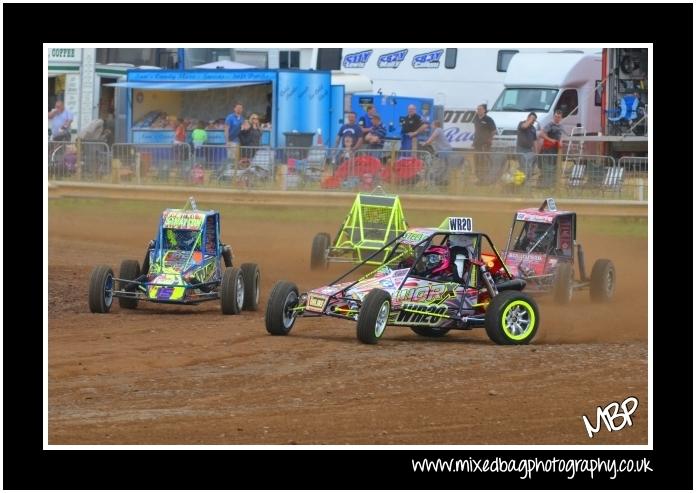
545	82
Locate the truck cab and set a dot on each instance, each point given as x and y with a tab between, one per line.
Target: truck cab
546	82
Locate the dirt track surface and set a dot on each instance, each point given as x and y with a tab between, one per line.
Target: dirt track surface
190	375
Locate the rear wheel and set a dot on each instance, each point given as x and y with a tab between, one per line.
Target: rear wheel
280	310
373	316
232	291
602	280
252	286
430	331
101	285
320	251
130	269
563	284
227	255
512	318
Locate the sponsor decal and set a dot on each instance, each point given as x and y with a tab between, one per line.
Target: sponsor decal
356	60
461	224
459	128
538	218
459	116
531	257
391	60
431	293
387	283
183	220
427	60
418	314
316	303
413	237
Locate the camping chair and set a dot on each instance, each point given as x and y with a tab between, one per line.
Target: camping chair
613	179
314	164
259	168
577	175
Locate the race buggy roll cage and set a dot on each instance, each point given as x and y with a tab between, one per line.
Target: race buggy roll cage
489	284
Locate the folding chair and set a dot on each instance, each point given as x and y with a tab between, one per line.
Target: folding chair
577	175
613	179
314	163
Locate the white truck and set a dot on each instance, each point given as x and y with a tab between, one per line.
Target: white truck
457	79
546	82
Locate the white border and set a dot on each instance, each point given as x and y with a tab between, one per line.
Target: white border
649	446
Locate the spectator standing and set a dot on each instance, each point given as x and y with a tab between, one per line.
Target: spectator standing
250	136
551	136
233	125
366	120
438	139
199	137
411	127
442	149
180	147
61	119
350	129
484	131
526	144
376	135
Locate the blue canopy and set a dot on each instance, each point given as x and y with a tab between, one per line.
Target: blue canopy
182	86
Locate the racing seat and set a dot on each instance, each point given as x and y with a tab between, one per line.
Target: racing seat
454	252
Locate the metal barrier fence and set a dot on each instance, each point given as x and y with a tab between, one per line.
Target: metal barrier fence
634	164
498	173
80	160
151	163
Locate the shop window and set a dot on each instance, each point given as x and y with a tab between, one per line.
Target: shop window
289	59
598	93
504	58
450	57
329	58
568	102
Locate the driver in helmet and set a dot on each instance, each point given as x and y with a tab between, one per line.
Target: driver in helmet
183	239
435	264
534	233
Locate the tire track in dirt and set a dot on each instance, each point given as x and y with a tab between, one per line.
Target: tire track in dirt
164	374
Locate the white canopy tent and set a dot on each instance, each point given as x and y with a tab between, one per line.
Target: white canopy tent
226	64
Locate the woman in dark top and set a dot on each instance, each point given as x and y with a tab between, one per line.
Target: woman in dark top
250	136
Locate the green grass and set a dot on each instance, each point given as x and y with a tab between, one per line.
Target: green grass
107	208
614	226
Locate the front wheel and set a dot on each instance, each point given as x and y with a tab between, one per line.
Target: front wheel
232	291
602	280
373	316
101	286
280	310
512	318
252	286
